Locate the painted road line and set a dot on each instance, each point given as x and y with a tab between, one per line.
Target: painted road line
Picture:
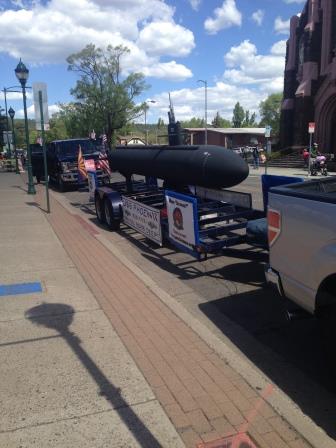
20	288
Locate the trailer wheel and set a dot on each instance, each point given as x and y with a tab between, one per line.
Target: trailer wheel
111	222
99	209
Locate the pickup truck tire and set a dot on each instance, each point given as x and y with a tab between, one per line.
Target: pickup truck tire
327	324
111	222
99	206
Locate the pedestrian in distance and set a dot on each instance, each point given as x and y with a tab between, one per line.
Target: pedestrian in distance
255	154
305	156
263	157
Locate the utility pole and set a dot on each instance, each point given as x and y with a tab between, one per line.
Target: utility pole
205	108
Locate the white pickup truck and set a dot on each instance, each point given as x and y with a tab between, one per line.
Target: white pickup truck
302	245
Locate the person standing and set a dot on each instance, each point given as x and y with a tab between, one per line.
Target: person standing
255	154
305	156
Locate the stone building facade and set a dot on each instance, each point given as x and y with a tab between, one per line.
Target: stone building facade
310	78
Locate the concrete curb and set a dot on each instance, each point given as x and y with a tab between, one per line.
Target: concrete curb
252	375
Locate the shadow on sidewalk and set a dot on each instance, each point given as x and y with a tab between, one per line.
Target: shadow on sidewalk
295	362
59	317
168	258
37	205
19	187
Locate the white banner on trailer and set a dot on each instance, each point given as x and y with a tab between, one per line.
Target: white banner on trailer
142	218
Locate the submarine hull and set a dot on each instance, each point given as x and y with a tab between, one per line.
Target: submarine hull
207	165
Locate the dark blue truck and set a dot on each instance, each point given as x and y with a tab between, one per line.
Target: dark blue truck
62	156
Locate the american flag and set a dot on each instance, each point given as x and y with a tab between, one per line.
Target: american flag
104	139
82	174
103	163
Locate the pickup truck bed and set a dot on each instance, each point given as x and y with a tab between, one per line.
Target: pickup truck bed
302	238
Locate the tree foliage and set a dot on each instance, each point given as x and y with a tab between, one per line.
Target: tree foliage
270	111
194	122
105	99
242	118
220	122
249	121
238	116
160	123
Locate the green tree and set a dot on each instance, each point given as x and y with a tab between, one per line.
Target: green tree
238	116
2	128
194	122
105	99
249	121
270	111
160	123
220	122
58	129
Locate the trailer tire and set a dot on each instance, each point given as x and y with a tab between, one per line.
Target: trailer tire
111	222
99	209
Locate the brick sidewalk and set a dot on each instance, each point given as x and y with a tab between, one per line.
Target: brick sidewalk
205	399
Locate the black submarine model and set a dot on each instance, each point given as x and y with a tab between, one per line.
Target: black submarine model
178	164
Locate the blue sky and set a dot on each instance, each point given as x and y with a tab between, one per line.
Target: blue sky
238	46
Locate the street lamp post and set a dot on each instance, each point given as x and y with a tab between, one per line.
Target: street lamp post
205	108
11	114
146	130
22	74
7	126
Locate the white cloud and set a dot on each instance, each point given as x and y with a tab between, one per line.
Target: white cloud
258	17
294	1
224	17
168	70
281	26
49	32
222	98
14	96
195	4
279	48
31	111
164	38
247	67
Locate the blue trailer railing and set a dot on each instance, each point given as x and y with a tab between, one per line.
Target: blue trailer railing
216	220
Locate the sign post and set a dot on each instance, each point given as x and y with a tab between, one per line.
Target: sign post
311	131
41	105
267	136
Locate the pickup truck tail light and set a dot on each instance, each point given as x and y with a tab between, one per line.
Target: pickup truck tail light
274	225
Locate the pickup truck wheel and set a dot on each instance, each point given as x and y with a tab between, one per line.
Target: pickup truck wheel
111	222
99	209
327	324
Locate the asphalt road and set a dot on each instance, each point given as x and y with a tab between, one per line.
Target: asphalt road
234	297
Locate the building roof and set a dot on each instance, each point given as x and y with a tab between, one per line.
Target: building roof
253	131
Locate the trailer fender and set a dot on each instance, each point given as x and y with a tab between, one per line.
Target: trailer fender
116	202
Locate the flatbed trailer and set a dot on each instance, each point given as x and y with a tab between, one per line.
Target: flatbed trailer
197	220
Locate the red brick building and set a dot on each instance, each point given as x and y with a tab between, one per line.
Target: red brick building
310	77
226	137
